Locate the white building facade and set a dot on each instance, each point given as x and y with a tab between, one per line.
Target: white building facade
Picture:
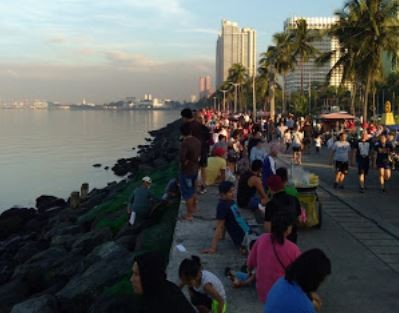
235	45
313	72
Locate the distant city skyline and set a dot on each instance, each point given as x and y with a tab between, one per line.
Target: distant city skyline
64	50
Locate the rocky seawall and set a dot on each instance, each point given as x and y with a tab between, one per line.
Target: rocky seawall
70	255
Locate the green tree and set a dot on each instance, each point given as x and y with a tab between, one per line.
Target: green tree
238	74
301	45
367	29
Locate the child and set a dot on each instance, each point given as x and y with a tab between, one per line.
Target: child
287	139
207	293
317	142
242	278
228	216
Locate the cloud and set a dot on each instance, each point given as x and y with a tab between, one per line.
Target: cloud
129	61
58	39
12	74
169	7
104	83
200	30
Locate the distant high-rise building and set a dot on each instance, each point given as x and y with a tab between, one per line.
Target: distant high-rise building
312	72
205	87
234	45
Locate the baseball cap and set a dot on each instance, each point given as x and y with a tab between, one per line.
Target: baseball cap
219	151
275	183
147	179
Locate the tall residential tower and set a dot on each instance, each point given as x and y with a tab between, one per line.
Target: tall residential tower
234	45
313	72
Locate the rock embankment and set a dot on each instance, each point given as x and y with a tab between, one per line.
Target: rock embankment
56	258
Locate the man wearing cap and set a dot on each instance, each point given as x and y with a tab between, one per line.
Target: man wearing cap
281	202
141	201
216	169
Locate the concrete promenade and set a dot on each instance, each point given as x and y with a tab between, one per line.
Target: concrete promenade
364	255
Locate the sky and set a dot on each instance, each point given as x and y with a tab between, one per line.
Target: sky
106	50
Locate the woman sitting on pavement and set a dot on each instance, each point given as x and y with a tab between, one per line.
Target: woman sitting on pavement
158	294
272	254
296	292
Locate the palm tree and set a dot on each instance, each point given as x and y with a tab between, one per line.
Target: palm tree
301	44
367	29
284	61
268	71
238	74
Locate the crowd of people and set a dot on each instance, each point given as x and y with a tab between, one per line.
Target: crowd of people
238	154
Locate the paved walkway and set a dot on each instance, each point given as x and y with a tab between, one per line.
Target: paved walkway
364	256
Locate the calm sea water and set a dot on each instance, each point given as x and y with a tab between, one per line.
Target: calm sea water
52	152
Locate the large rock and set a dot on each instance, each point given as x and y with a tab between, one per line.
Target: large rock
29	249
42	304
107	250
6	270
45	203
13	221
90	240
113	262
40	262
11	293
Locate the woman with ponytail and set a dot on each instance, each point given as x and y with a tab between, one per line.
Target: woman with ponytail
272	254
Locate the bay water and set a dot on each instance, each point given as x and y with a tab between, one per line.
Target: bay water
52	152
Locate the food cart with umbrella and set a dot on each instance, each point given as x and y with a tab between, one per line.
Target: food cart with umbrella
336	120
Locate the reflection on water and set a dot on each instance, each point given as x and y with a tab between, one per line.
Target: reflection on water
52	152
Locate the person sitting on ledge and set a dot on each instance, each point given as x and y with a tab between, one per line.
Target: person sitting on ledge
141	201
228	217
250	188
216	169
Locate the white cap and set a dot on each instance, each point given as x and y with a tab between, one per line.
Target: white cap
147	179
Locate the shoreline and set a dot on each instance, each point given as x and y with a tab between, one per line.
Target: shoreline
99	178
69	255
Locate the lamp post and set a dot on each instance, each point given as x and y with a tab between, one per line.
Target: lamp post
254	94
224	99
235	95
214	103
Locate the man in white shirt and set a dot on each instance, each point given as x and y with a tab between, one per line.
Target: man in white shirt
340	150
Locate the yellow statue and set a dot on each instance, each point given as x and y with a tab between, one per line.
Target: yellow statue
388	107
387	117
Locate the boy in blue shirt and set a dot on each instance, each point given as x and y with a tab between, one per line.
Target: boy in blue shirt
229	218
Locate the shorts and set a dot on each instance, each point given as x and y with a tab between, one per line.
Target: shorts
187	186
296	149
363	165
384	165
341	167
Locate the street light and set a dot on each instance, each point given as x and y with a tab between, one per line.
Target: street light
254	94
224	99
214	103
235	95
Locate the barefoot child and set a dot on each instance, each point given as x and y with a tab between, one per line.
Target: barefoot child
207	293
228	217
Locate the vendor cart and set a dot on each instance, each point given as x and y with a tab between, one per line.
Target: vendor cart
311	205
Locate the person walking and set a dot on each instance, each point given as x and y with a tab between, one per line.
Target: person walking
363	159
340	153
190	151
383	150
